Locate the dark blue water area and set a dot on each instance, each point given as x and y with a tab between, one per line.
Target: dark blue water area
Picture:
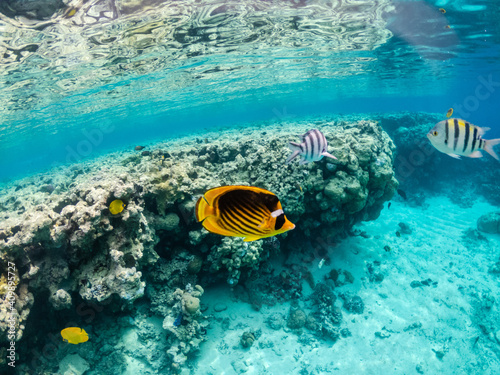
91	135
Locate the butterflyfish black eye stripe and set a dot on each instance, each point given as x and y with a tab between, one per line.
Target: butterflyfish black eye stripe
280	221
474	139
457	133
467	131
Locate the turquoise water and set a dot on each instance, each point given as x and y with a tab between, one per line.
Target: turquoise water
393	265
186	66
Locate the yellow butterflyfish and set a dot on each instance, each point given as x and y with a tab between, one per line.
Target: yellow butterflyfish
116	206
74	335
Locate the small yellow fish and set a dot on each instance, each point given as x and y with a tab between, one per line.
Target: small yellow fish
449	113
74	335
442	10
71	12
116	207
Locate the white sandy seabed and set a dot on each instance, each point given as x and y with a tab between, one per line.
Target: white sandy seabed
433	329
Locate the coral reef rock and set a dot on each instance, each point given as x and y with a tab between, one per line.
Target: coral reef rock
296	319
489	223
57	229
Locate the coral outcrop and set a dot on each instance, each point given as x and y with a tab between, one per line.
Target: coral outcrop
68	247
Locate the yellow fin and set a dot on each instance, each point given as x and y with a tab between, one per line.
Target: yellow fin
251	238
212	226
201	209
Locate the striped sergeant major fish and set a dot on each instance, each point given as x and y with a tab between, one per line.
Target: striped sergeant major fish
312	148
456	138
242	211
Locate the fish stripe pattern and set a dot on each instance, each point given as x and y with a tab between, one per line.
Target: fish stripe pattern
447	136
250	216
235	208
245	225
227	224
308	147
456	134
313	147
257	211
474	139
236	219
245	219
233	222
225	221
467	131
315	142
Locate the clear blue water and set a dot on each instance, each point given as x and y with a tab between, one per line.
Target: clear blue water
153	72
81	79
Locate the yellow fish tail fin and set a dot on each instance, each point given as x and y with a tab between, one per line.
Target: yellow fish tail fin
488	147
203	210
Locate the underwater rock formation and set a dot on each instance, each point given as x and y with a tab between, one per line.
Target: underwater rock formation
69	247
489	223
247	339
353	304
296	319
187	331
